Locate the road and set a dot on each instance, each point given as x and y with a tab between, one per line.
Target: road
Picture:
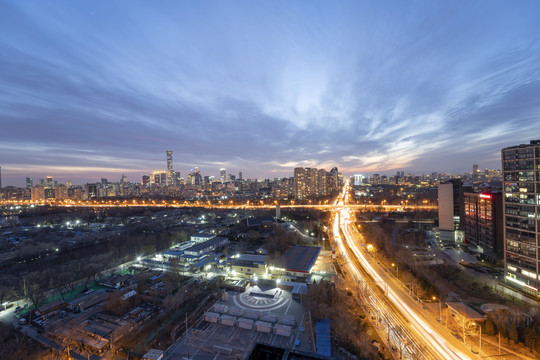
404	318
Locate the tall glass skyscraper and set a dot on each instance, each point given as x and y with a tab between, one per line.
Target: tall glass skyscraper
170	171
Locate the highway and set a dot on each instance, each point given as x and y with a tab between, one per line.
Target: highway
413	332
212	205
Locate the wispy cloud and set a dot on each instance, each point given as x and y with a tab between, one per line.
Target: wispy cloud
100	87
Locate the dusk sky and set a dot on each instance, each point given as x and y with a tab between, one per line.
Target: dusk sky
92	89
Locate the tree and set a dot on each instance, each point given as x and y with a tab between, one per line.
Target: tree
513	333
489	327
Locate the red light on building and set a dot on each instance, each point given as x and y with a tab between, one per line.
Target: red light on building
485	196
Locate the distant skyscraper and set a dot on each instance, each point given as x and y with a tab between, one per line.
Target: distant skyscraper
239	175
29	182
145	180
223	175
0	178
521	229
49	182
170	171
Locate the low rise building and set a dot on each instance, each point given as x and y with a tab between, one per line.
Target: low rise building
249	265
297	262
206	247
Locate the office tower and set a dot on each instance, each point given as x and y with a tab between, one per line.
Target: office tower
177	178
103	182
483	223
451	210
146	180
376	179
29	183
521	227
239	175
170	171
90	191
223	175
123	179
49	182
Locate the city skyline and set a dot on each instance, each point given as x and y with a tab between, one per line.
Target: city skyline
98	90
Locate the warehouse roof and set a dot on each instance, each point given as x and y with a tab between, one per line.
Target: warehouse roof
300	258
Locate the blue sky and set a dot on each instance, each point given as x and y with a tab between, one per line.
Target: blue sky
92	89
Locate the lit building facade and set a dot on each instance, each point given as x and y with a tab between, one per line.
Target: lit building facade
521	187
170	171
311	182
483	223
451	210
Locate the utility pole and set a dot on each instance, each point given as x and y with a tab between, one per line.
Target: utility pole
499	344
480	347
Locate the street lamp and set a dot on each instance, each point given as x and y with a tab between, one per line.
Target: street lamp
440	308
397	269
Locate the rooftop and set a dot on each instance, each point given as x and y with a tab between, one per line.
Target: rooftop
300	258
206	244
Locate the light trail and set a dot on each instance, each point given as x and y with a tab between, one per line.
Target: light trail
421	329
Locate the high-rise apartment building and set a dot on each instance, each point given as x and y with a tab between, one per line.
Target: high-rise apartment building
322	184
61	192
29	182
299	183
38	193
311	182
170	171
521	187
